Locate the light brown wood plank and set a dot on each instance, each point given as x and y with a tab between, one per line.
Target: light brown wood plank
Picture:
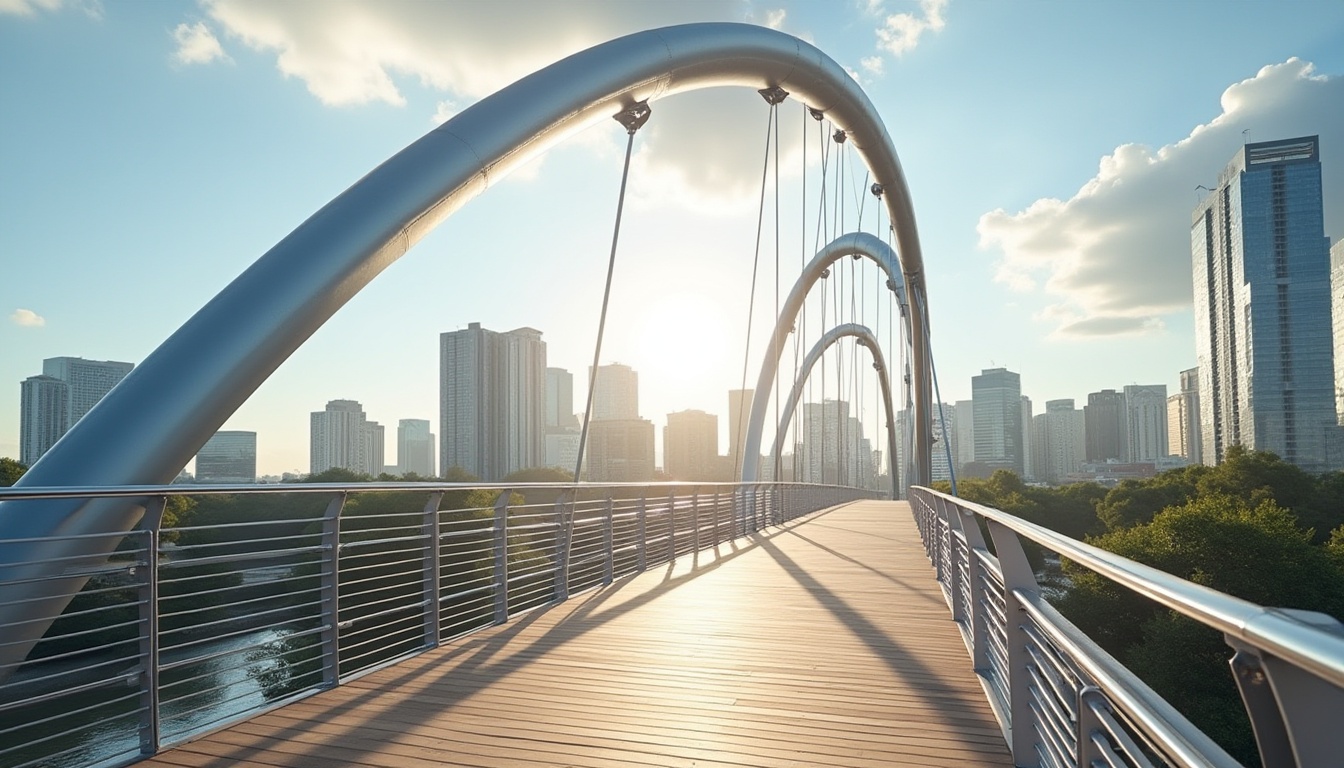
822	643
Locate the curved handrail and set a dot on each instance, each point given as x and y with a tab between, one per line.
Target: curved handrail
865	338
859	244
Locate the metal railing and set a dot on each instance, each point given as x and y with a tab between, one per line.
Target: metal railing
1064	701
264	594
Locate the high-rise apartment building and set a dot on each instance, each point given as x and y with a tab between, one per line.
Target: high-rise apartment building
1337	312
832	444
619	451
492	409
560	401
691	446
739	413
1183	433
1146	422
965	434
615	393
1058	441
1104	419
1028	461
943	456
78	382
340	436
996	399
415	448
229	456
1263	339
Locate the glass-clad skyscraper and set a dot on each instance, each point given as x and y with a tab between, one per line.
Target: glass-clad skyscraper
1262	307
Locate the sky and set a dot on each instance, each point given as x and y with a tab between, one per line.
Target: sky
150	152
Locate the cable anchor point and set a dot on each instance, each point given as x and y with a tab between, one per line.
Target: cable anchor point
876	189
839	136
634	117
816	114
773	95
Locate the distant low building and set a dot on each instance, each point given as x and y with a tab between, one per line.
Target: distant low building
229	456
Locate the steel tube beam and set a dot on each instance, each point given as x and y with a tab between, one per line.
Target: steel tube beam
867	339
859	244
155	420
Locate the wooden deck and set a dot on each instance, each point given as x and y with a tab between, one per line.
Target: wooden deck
822	643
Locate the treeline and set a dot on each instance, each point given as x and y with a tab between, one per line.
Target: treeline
1254	527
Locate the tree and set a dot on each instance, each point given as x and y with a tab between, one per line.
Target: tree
10	471
1247	547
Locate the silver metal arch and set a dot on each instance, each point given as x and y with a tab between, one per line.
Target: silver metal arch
151	424
866	339
853	244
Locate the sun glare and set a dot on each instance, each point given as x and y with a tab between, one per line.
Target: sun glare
681	339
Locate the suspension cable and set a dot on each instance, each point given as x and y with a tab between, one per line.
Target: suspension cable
755	267
633	119
774	96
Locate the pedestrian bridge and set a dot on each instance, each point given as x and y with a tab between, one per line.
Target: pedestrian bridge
819	642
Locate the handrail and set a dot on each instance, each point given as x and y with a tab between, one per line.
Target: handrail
1269	629
202	624
1288	665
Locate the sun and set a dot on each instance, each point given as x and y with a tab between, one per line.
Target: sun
682	339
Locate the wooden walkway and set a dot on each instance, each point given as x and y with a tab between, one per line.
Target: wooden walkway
822	643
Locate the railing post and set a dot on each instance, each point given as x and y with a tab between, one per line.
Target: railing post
1017	577
331	591
954	575
979	629
430	530
1294	713
671	526
695	520
564	525
608	526
502	557
149	628
1089	752
642	532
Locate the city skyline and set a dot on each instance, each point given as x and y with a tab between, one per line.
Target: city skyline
218	129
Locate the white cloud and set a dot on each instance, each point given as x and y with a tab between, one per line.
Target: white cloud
873	65
900	32
775	19
196	44
444	111
91	8
1115	257
351	53
27	318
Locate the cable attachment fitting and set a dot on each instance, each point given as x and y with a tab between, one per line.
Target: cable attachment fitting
635	117
773	95
876	189
825	273
839	136
816	114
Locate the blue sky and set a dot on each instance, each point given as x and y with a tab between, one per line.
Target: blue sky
149	152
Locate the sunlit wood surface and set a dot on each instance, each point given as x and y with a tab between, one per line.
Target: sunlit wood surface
822	643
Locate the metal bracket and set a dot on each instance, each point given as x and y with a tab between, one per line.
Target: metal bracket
635	117
773	95
876	189
839	136
816	114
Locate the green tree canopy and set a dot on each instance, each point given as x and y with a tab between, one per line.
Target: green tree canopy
10	471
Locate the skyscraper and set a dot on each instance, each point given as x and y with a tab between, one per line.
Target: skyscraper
560	401
1146	421
965	435
1263	342
691	445
80	383
341	437
739	412
615	393
943	456
1104	418
1059	435
492	409
44	413
415	447
996	399
1183	433
1337	312
229	456
1028	461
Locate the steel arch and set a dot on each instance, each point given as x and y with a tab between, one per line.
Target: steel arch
865	338
151	424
